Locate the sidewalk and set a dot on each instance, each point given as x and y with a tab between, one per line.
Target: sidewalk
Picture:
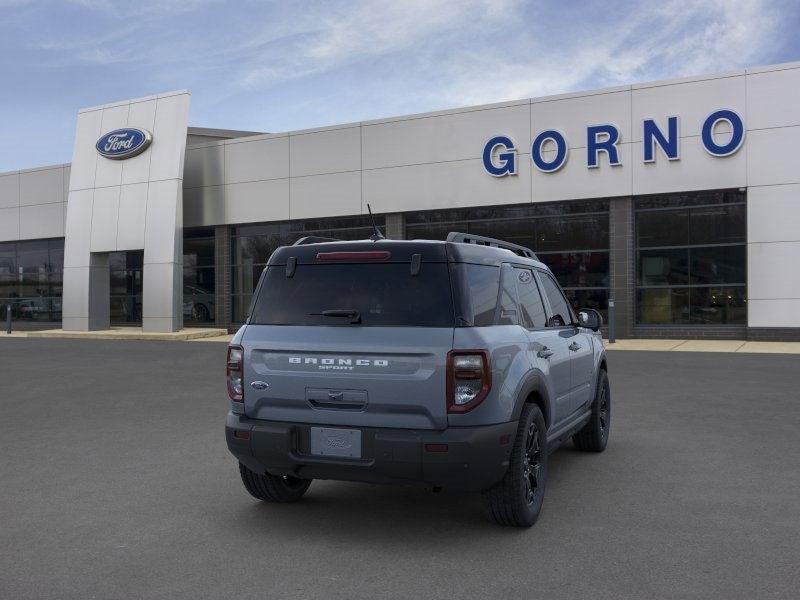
657	345
220	335
122	333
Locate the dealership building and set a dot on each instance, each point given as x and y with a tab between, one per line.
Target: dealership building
677	200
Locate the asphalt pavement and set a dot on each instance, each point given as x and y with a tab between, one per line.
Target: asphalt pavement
115	482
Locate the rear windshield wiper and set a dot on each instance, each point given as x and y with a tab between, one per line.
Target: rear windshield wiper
346	313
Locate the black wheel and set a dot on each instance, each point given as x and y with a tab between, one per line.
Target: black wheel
517	499
272	488
594	435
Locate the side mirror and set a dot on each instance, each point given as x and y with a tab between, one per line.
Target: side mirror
590	318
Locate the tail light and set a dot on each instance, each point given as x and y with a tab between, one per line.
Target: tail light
234	373
469	379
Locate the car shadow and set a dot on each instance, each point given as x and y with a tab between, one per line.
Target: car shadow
359	512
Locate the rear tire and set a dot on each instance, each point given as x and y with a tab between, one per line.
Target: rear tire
517	500
273	488
593	437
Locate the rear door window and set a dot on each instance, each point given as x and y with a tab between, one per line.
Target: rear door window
560	312
530	300
384	294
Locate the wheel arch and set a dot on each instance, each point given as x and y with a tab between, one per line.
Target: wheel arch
534	391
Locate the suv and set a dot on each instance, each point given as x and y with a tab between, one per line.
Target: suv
455	364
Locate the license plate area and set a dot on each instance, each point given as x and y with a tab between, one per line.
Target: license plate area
343	443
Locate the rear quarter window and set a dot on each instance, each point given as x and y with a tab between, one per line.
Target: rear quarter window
478	287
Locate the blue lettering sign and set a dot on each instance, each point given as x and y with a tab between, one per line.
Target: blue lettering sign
602	138
707	134
561	151
652	135
500	152
508	159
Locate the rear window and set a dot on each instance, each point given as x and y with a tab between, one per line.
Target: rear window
385	295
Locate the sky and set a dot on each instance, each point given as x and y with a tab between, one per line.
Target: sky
284	65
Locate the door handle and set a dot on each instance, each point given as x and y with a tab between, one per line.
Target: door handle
545	352
574	346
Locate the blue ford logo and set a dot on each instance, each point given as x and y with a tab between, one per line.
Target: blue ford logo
123	143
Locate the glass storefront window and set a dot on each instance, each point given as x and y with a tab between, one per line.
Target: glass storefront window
199	277
125	270
691	259
572	238
30	279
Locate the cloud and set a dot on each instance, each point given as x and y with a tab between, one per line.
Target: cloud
276	65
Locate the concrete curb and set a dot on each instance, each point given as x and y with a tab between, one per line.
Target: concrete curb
124	333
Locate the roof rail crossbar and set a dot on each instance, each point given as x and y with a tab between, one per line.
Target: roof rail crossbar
313	239
479	240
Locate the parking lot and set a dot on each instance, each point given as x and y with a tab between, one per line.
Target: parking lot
115	482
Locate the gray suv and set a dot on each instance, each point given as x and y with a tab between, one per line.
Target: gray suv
455	364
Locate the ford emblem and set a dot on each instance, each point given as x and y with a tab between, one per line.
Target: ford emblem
123	143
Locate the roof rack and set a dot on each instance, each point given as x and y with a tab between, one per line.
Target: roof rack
479	240
313	239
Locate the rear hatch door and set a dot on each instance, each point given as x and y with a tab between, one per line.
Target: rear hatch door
350	340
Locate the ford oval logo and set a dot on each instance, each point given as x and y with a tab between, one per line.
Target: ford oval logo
123	143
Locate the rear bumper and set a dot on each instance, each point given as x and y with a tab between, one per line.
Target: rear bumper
476	457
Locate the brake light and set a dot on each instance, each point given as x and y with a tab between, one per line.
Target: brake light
469	379
235	373
355	256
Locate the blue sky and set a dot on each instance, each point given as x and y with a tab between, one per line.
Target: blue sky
277	66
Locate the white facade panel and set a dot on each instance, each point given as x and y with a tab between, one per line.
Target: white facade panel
442	185
773	313
443	138
9	224
79	213
162	234
257	160
326	151
109	172
325	195
43	186
692	101
9	190
141	115
773	156
575	180
132	212
105	217
696	170
572	115
85	157
41	221
773	213
76	294
773	99
772	270
169	137
257	201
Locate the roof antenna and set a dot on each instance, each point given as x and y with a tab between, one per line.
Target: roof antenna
377	235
